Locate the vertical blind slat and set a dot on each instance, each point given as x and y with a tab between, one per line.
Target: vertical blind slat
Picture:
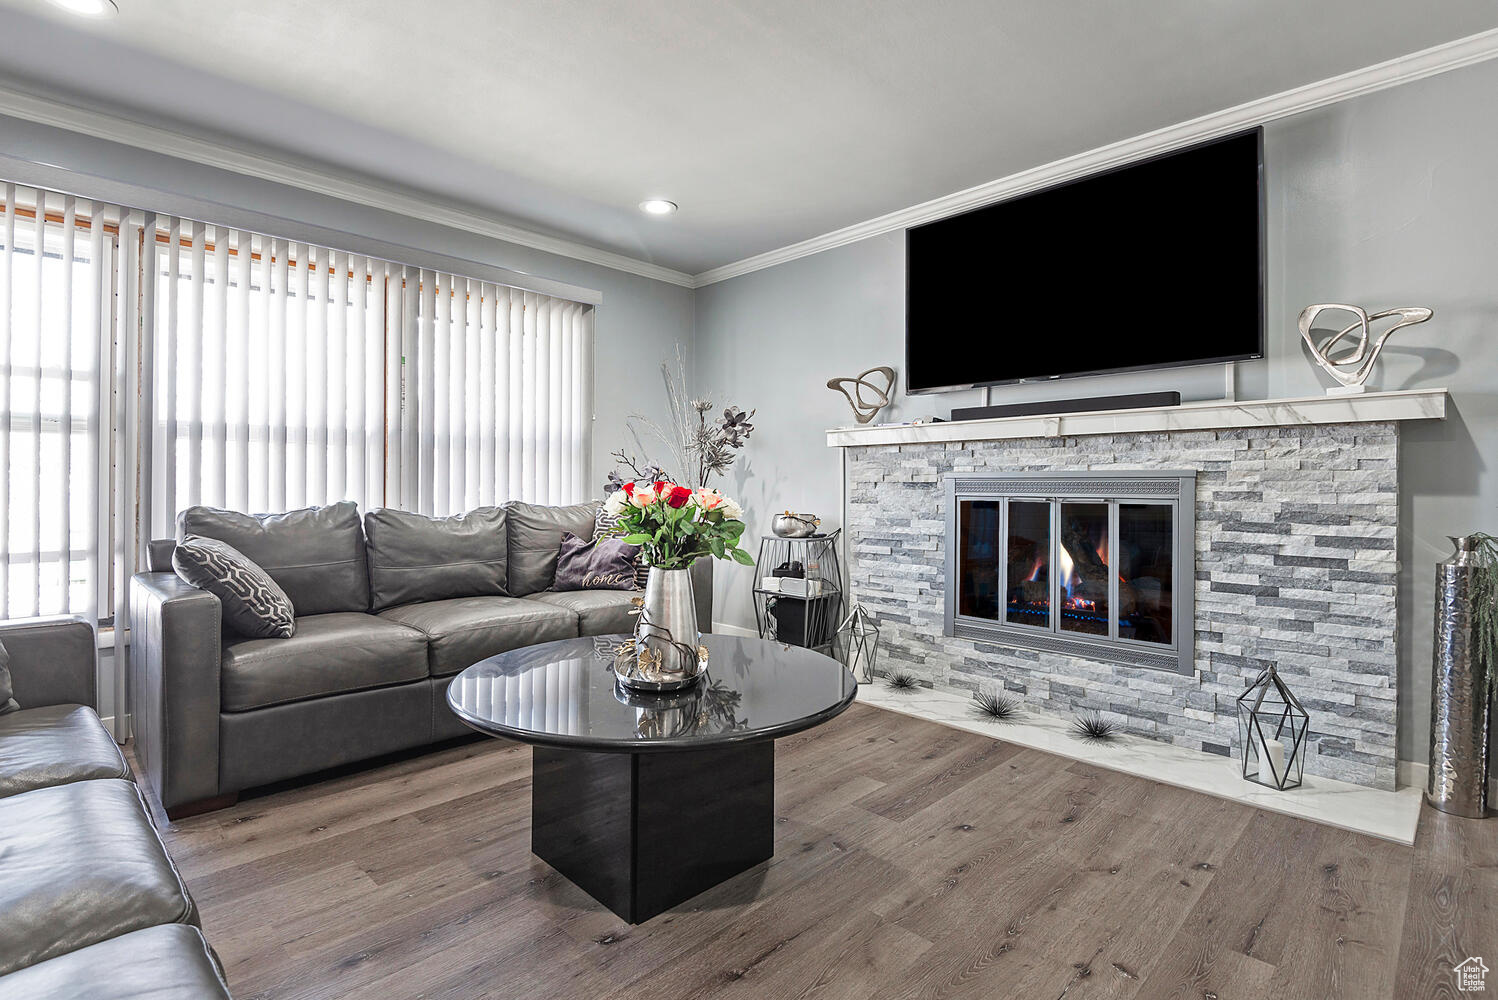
473	431
245	378
63	503
97	452
486	382
40	339
7	280
277	307
216	406
410	333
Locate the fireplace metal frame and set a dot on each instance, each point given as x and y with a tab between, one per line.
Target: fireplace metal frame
1174	487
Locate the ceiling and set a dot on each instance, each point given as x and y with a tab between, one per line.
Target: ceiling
768	121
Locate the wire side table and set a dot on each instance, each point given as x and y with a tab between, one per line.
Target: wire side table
809	619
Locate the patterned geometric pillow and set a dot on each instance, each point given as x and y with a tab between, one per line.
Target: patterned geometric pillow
253	604
602	523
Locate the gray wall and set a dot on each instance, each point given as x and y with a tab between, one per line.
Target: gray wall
1384	200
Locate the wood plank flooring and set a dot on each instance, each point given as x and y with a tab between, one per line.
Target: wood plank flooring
912	861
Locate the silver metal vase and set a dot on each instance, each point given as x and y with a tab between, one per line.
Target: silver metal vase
1459	692
667	643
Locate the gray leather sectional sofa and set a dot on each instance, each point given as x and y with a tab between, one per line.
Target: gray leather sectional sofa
90	903
389	608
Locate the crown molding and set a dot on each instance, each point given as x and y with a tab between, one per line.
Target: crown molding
223	156
1380	76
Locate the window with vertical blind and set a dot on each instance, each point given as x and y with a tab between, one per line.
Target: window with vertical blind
496	389
289	375
259	374
270	369
57	270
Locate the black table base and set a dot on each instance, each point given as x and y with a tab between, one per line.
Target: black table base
643	832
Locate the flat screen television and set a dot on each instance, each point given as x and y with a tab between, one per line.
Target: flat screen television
1155	264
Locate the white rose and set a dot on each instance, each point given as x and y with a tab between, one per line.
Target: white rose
731	510
614	505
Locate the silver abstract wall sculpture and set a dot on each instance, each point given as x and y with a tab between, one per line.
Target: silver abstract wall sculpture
865	409
1352	367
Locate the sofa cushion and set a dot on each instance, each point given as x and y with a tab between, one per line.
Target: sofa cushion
608	564
167	962
40	747
535	534
316	555
330	654
7	701
252	603
462	631
413	557
599	612
82	864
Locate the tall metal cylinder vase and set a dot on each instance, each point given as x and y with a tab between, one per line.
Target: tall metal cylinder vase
1459	703
666	638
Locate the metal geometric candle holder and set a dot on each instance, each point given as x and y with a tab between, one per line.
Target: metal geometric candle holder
858	643
1272	728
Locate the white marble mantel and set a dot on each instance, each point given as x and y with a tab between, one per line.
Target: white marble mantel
1369	407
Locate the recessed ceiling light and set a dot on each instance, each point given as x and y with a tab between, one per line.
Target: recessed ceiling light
88	8
657	206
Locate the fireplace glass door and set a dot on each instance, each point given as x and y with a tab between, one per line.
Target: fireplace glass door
978	557
1082	558
1028	564
1146	544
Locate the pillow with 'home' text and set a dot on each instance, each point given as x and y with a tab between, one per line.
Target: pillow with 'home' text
608	565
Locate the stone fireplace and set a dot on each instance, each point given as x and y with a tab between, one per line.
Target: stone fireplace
1291	560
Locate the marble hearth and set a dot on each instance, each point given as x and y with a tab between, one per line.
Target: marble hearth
1296	510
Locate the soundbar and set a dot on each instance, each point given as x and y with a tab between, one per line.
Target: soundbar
1039	407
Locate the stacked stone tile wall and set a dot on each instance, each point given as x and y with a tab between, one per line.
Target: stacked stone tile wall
1295	565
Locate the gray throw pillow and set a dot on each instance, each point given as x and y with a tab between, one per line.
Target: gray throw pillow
602	524
253	604
609	565
7	692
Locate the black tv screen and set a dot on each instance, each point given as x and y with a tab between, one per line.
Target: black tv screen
1155	264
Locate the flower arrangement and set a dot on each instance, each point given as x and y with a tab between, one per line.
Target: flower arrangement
676	525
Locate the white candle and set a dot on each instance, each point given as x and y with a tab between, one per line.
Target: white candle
1273	754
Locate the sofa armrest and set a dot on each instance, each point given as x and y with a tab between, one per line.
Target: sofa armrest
174	686
53	661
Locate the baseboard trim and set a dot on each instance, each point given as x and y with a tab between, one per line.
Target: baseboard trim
1411	774
726	628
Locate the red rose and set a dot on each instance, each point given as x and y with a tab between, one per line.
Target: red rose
661	486
679	496
629	489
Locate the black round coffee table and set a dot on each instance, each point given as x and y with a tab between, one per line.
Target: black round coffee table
646	800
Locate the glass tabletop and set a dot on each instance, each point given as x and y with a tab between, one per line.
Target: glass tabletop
563	694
